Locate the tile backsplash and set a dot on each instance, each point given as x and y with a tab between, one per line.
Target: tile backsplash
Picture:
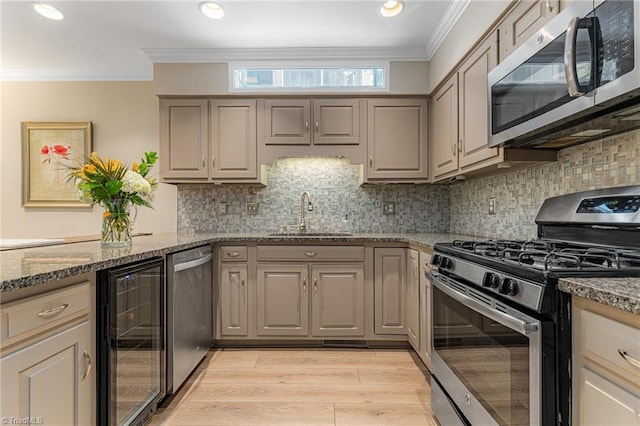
461	207
334	185
610	162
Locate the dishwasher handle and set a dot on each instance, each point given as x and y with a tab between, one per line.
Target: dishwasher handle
193	263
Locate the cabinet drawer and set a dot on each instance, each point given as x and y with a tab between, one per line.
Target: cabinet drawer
38	313
310	253
233	253
601	340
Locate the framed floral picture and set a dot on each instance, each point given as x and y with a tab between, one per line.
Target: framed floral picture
47	150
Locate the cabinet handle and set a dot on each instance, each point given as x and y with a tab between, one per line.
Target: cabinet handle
242	282
213	161
460	146
549	7
204	161
454	148
629	358
370	162
306	126
233	253
317	126
304	284
88	364
53	311
315	285
310	253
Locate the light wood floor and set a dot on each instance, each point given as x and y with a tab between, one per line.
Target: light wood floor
303	387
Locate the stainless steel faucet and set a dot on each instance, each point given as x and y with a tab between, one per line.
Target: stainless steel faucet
303	225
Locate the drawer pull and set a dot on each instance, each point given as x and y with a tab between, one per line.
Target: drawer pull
53	311
88	363
315	285
310	253
629	358
233	253
304	284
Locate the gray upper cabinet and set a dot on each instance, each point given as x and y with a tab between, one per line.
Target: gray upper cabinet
337	300
444	128
233	139
397	140
184	139
527	17
390	267
202	141
282	300
311	122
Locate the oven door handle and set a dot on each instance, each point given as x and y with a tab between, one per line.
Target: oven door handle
516	324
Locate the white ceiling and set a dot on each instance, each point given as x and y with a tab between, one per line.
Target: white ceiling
121	39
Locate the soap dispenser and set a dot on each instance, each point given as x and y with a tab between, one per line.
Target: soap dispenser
345	224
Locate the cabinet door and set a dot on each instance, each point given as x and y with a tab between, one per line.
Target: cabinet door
184	139
287	122
51	380
425	311
390	266
282	300
523	22
337	300
233	139
413	299
397	139
233	299
336	122
473	116
604	403
444	128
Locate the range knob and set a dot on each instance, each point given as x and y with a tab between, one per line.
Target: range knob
509	287
435	259
490	280
445	262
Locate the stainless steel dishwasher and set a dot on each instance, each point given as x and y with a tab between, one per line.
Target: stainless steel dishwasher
189	312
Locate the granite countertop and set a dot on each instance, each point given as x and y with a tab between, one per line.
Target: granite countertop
620	293
32	266
29	267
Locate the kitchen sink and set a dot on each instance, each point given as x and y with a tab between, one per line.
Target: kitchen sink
310	234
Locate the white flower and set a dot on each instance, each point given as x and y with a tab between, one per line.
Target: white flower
133	182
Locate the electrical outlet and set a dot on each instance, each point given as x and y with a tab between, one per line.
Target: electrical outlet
492	205
388	208
222	208
252	208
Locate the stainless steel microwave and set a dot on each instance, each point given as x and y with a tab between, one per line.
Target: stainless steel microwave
575	80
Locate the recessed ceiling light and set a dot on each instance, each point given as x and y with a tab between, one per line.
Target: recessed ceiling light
48	11
391	8
212	10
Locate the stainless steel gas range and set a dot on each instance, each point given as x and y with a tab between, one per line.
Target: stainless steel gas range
501	332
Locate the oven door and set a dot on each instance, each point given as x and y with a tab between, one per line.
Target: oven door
486	356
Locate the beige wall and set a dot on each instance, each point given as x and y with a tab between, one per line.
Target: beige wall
475	20
205	79
125	124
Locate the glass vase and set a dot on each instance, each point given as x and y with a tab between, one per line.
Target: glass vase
116	226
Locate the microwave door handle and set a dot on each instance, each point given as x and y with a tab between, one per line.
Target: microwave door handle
570	58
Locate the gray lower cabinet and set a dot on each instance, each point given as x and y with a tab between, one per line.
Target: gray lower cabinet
390	266
318	300
282	300
425	310
413	299
337	300
233	299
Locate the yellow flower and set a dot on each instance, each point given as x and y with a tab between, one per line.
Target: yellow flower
94	157
87	168
106	214
135	167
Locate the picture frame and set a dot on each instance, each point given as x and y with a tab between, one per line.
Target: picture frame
48	148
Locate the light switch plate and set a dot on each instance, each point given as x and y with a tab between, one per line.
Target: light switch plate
492	205
223	209
252	208
388	208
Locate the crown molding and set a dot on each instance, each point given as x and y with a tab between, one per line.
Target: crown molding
449	19
291	54
77	75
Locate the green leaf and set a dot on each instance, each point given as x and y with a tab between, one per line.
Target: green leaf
113	186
